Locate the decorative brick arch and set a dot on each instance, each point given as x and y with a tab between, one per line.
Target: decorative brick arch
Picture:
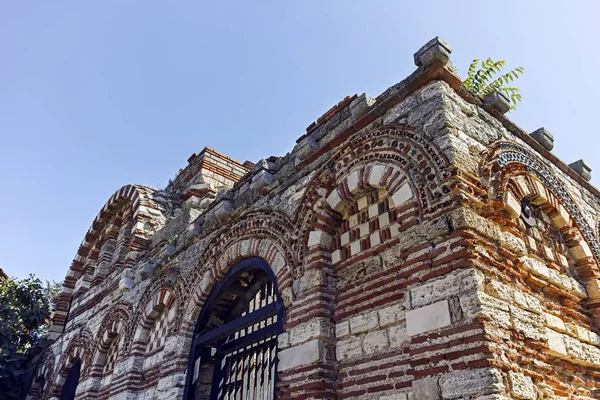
161	294
392	158
42	384
80	347
115	323
131	208
262	234
514	173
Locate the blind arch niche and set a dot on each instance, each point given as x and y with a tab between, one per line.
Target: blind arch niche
234	347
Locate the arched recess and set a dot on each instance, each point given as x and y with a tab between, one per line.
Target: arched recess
392	164
78	354
110	346
69	389
261	234
160	295
42	381
506	159
118	234
233	352
556	247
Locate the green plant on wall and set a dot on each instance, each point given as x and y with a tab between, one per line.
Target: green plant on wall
480	81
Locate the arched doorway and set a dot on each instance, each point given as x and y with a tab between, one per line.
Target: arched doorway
70	386
233	353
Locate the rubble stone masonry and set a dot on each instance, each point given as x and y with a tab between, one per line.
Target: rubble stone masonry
423	245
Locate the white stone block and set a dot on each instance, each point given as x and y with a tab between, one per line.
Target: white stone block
375	342
364	229
352	181
555	343
425	319
581	251
349	348
398	335
402	195
473	382
374	239
376	175
335	201
373	210
362	203
319	238
384	220
554	322
355	247
561	218
342	329
535	266
296	356
391	315
512	206
394	230
426	388
521	386
593	288
313	328
364	322
336	256
345	238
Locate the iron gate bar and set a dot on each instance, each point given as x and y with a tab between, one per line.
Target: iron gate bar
266	361
251	338
238	324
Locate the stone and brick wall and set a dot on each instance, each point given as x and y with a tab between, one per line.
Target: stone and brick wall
424	247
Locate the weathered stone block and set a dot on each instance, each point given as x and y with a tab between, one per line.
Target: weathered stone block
499	101
398	335
521	386
471	382
364	322
457	282
391	315
375	342
300	355
436	50
349	348
426	388
556	345
342	329
314	328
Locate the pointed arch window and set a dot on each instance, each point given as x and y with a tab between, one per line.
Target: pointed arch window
234	351
70	385
111	356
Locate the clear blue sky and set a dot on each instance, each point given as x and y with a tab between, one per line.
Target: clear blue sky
98	94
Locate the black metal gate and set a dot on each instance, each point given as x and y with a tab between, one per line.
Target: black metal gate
235	341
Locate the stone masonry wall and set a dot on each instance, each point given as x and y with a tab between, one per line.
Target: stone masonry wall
424	247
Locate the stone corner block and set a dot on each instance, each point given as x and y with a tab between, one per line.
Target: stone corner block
498	101
436	50
543	137
473	382
582	169
428	318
